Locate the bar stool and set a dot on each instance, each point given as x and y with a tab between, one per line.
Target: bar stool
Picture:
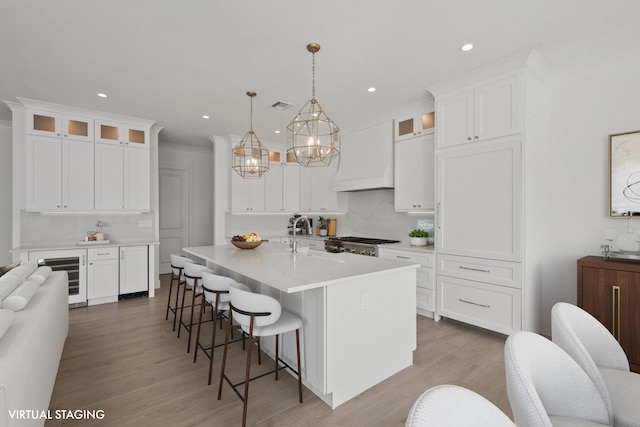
216	295
258	316
192	274
177	265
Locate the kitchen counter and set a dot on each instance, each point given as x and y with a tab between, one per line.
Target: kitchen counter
407	247
54	246
273	264
358	312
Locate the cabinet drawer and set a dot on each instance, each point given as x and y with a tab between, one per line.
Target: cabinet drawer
424	278
96	254
425	259
425	299
502	273
497	308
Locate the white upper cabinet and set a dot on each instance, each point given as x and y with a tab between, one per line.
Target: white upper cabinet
479	113
413	125
75	160
282	183
121	134
248	195
415	175
59	174
122	177
316	189
45	123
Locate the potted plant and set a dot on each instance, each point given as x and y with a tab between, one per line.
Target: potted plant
419	237
322	226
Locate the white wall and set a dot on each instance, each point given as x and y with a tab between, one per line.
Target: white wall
5	192
198	161
588	101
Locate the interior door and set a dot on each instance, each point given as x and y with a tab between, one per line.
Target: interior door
174	214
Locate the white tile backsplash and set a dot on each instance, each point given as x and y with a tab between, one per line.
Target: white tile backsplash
39	227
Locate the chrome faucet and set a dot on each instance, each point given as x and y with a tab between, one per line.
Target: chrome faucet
294	244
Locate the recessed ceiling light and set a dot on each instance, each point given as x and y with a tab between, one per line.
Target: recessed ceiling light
204	116
102	95
466	47
277	131
372	89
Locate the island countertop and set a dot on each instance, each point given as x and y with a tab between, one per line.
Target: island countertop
273	264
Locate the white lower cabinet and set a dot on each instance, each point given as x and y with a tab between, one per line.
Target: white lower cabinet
482	292
102	275
425	289
133	269
489	306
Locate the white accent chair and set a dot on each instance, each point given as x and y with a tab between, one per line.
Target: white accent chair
546	387
192	275
454	406
259	316
598	353
177	265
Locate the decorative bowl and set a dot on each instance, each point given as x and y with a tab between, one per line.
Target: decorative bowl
246	245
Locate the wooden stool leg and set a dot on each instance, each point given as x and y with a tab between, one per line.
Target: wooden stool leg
259	351
175	313
247	375
277	354
193	307
184	295
216	314
224	358
299	366
195	351
166	317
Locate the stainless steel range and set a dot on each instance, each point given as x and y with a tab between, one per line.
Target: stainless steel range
355	245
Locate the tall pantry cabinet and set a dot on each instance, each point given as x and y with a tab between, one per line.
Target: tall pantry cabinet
487	129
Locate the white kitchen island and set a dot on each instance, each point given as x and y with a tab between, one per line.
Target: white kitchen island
359	312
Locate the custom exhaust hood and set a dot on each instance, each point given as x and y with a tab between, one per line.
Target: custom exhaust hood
366	159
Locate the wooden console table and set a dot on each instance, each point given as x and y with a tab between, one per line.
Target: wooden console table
610	291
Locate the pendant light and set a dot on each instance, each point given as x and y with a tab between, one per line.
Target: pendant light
313	139
250	157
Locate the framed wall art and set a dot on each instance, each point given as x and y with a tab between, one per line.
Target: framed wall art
624	174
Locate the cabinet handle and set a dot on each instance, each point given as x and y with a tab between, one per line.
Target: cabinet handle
473	303
103	253
57	206
66	136
439	214
468	138
403	257
615	310
476	137
462	267
82	259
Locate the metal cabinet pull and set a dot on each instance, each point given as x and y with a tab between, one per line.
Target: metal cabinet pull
615	311
462	267
403	257
473	303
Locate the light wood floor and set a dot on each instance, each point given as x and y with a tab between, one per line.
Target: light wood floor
125	359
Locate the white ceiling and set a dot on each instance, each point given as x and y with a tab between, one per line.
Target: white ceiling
173	61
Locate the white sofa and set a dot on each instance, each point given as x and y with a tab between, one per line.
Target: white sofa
31	347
